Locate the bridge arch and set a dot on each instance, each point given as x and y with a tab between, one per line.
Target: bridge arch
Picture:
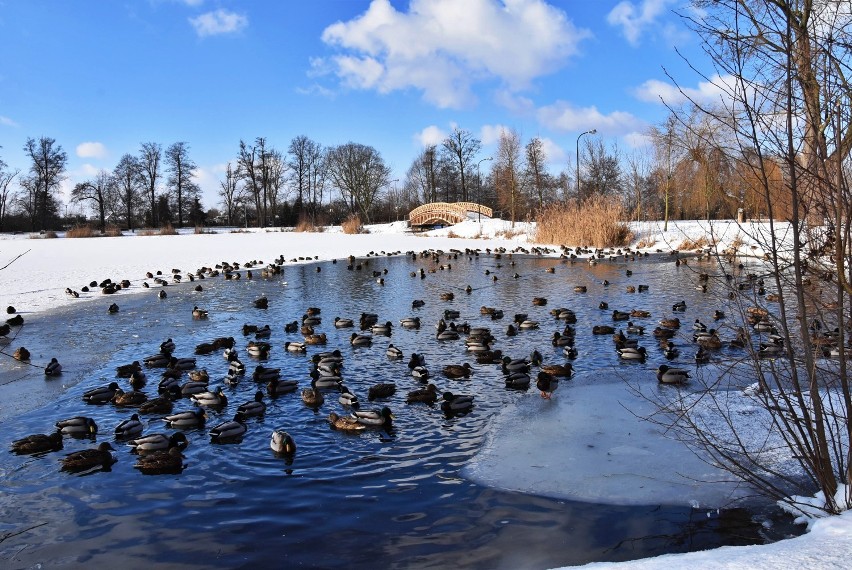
446	213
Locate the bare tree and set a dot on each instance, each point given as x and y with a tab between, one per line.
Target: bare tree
100	191
306	163
276	176
231	192
150	154
129	180
538	180
180	183
6	178
359	173
603	170
507	172
422	176
460	148
47	172
665	156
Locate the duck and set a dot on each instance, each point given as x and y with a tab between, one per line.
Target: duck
137	380
710	341
546	383
672	323
670	351
447	334
456	403
345	423
341	323
634	329
560	339
277	387
183	364
209	399
263	333
702	355
457	371
570	352
77	426
632	353
87	459
620	315
420	373
129	399
128	428
698	326
158	442
347	398
602	329
101	395
382	417
53	368
718	315
394	352
187	419
198	313
21	354
191	388
680	306
258	349
161	462
296	347
667	375
416	360
167	346
126	370
360	339
113	308
255	407
264	374
231	430
517	380
640	313
261	303
528	325
559	370
324	381
162	294
315	339
290	327
38	443
312	397
162	404
427	395
159	360
663	333
381	390
509	365
410	322
384	329
282	443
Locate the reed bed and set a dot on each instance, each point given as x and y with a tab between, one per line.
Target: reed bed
598	222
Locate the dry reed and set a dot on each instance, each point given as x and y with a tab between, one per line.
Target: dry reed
597	223
352	225
80	232
168	230
112	231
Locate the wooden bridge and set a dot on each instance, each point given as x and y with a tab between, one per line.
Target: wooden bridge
446	213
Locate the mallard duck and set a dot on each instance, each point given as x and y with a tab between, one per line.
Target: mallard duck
580	289
345	423
672	323
447	334
560	370
38	443
382	417
291	327
262	303
161	462
410	322
253	408
620	315
639	313
680	306
560	339
416	360
427	395
128	428
263	333
198	313
602	329
670	351
192	388
282	443
126	370
772	350
343	323
277	387
162	294
101	395
129	399
159	360
113	308
264	374
666	375
258	349
632	353
456	403
718	315
702	355
183	364
509	365
634	329
663	333
167	346
360	340
199	375
137	379
158	442
162	404
295	347
87	459
457	371
698	326
347	398
209	399
518	380
312	397
547	384
528	325
603	306
78	426
315	339
710	341
53	368
394	352
187	419
229	431
21	354
381	390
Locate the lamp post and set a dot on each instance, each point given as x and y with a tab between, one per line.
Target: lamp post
593	131
479	189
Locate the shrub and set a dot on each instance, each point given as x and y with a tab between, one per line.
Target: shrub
80	232
168	230
452	234
694	243
113	231
597	223
147	232
352	225
646	243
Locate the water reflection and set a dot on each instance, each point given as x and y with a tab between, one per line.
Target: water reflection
393	498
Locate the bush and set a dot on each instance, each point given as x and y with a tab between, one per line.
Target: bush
352	225
596	223
80	232
113	231
168	230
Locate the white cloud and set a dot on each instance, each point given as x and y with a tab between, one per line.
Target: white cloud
514	103
713	91
218	22
490	134
7	122
431	135
637	140
443	47
316	89
91	150
565	117
555	154
633	19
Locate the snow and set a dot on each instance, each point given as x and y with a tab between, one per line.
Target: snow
39	271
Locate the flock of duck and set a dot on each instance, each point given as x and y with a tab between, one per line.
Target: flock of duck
182	384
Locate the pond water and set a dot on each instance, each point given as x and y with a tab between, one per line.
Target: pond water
388	498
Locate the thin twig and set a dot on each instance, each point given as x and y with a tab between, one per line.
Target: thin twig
14	260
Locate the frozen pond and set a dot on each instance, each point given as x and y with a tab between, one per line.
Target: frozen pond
559	476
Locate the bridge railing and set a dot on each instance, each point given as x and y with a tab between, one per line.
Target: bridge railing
446	212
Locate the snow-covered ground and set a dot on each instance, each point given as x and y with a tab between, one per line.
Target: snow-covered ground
37	272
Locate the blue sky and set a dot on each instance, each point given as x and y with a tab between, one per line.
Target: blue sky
102	76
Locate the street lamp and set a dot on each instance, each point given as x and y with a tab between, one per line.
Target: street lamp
593	131
479	189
